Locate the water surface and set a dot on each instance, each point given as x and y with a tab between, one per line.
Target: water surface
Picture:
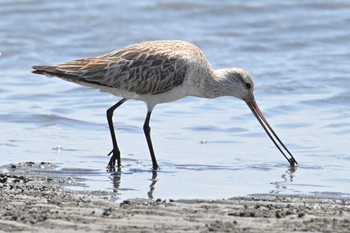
297	52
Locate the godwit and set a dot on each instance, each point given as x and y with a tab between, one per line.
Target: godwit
159	72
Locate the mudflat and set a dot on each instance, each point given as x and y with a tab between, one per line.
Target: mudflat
37	203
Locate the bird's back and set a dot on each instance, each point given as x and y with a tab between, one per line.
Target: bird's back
146	68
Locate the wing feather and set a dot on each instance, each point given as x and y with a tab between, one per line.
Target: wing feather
134	69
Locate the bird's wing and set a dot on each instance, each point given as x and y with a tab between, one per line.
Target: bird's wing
133	69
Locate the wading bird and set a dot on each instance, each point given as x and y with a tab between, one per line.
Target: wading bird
160	72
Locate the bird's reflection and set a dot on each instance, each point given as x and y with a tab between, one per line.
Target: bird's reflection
153	184
287	177
117	175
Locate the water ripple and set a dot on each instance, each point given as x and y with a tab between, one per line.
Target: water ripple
297	52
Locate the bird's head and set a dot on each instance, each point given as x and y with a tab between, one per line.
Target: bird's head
238	83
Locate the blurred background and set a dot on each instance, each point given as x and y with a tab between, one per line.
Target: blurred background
297	52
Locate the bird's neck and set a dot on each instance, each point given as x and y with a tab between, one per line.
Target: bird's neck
213	84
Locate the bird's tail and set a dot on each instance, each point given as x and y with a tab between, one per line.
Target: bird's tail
56	71
52	71
46	70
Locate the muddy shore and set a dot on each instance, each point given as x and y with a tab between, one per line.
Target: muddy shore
38	204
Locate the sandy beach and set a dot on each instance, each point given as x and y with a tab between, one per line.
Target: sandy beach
38	203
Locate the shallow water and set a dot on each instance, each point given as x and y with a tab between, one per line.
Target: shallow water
299	54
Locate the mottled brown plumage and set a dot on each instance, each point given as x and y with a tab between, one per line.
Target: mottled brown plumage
146	68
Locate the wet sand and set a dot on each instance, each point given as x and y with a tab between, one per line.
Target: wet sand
38	203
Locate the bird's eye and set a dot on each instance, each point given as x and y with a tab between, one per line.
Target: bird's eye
248	85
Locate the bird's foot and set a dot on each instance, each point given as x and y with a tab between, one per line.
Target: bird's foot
292	162
115	157
155	168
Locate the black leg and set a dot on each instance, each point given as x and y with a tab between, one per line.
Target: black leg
115	152
147	131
